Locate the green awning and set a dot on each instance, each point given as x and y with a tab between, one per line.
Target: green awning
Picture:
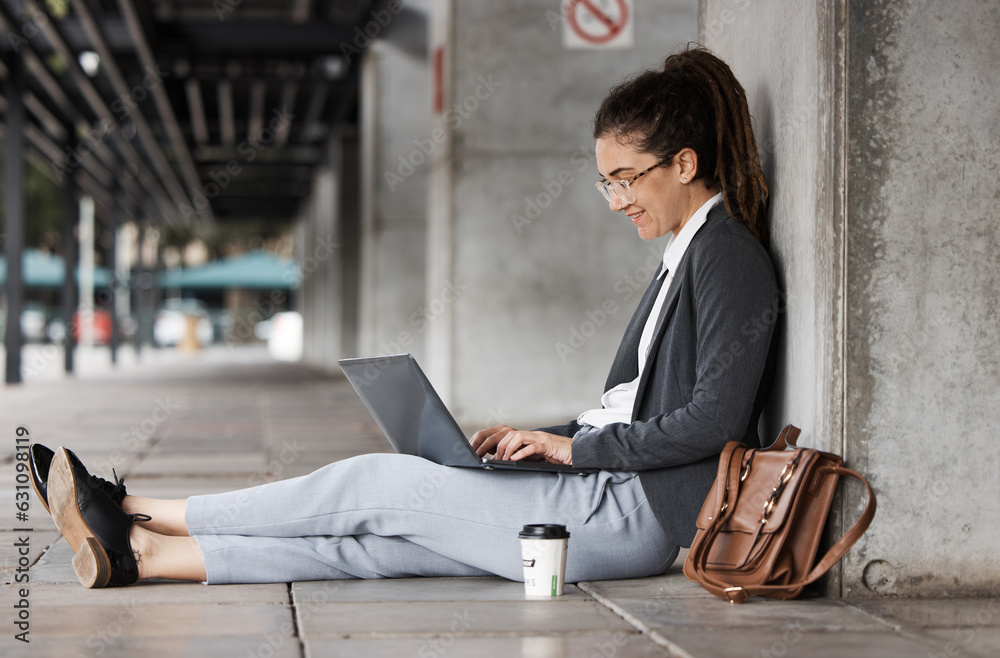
254	270
43	270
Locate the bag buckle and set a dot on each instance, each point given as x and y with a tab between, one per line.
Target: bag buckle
736	595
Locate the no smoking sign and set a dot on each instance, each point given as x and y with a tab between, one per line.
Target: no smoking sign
598	24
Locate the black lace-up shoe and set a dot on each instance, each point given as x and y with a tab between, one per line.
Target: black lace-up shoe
40	458
95	526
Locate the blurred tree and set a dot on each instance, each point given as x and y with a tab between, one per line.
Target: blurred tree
43	209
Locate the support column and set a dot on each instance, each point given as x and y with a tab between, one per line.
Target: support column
878	128
522	251
86	276
140	289
113	283
14	207
155	296
67	296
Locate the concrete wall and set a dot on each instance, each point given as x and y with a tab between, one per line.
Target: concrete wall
532	276
362	234
923	380
395	117
319	252
882	154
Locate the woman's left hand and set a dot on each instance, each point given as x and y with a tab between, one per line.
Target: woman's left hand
519	445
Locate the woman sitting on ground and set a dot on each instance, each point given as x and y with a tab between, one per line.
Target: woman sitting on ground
676	152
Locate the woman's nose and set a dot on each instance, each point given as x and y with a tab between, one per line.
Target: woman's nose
617	204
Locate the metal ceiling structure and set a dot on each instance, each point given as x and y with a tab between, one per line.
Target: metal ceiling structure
188	110
172	113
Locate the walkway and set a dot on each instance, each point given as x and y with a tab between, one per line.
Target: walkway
222	419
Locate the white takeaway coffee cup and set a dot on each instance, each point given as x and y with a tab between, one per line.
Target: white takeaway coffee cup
543	554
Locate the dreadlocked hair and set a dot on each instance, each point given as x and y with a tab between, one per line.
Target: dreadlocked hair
694	102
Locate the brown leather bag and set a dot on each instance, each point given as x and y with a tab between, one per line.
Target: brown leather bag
759	529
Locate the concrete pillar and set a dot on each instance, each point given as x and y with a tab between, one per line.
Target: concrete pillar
525	258
68	296
396	149
113	297
86	276
140	287
350	244
321	293
878	123
14	216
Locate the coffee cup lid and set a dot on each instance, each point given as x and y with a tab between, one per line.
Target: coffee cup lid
543	531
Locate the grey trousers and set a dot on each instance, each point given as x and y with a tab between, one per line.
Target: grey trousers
393	516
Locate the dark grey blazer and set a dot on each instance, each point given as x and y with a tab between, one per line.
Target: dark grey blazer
708	374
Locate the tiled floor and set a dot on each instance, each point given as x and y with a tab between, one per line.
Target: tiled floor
179	424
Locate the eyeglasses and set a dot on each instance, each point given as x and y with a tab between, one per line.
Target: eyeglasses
621	188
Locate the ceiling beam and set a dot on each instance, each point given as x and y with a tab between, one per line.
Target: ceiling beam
90	94
311	124
301	10
199	125
288	93
163	105
255	123
227	119
256	38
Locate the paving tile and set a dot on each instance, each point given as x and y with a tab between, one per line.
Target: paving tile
418	589
458	617
151	592
209	464
137	619
670	585
177	646
197	447
55	566
43	535
181	487
231	413
617	645
975	641
937	613
819	614
793	640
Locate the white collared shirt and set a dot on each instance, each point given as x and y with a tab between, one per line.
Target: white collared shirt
617	402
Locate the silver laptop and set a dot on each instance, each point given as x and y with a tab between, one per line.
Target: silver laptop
415	420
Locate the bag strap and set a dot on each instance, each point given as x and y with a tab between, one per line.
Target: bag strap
698	555
837	551
788	436
732	477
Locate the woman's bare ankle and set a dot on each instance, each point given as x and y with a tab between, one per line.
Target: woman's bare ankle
143	544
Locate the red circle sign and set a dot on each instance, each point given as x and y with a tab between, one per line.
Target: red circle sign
614	27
